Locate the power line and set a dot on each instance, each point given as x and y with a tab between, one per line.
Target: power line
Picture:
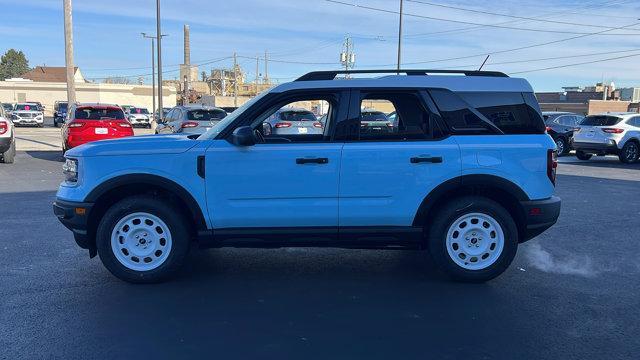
576	64
505	15
472	23
164	72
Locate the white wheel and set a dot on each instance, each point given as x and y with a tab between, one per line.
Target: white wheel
141	241
475	241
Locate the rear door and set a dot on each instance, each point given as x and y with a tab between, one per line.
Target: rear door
386	173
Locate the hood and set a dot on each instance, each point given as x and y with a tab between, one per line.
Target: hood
139	115
135	145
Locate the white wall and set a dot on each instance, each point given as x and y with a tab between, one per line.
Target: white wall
49	93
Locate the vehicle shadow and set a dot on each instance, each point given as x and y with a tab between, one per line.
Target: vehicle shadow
46	155
612	163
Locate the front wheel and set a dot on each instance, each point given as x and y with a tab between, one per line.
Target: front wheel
472	239
629	153
581	155
562	146
142	239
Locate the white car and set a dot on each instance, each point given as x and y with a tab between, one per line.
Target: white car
139	117
610	133
7	139
27	114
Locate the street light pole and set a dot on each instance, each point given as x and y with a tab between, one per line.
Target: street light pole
159	38
153	69
400	37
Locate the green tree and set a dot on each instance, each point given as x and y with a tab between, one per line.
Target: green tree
13	63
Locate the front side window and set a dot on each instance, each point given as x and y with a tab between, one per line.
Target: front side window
302	120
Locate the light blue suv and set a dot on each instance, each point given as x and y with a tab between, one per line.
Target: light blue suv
467	174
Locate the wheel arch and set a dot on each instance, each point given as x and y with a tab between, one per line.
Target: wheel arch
117	188
503	191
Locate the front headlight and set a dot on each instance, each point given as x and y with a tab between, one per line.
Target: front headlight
70	170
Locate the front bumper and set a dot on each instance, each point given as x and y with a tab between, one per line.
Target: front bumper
598	148
5	144
75	217
30	121
539	216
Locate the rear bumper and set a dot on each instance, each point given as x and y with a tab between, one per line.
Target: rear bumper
73	218
5	144
539	216
609	148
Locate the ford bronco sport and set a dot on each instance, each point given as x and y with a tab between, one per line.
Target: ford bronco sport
466	173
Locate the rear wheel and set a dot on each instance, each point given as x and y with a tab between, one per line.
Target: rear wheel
9	156
142	239
473	239
629	153
583	155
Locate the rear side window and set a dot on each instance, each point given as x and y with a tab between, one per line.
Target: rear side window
90	113
457	114
506	110
206	115
600	120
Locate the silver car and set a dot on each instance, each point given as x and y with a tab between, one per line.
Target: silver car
610	133
190	119
27	114
292	121
138	116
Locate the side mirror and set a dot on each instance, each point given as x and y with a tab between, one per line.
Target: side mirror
243	136
266	128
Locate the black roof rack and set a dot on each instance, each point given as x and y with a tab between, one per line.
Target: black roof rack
331	74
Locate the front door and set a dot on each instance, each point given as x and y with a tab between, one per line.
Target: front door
287	179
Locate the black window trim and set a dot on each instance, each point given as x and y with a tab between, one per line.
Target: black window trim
270	101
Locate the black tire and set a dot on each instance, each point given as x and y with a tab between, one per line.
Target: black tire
8	157
447	215
629	152
583	155
563	146
166	212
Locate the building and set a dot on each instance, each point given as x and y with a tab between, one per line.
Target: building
53	74
630	94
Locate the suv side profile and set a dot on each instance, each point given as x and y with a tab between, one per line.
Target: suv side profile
561	125
467	174
610	133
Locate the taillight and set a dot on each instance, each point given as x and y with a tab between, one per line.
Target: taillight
4	126
283	125
124	124
613	130
552	165
317	125
189	124
76	124
547	128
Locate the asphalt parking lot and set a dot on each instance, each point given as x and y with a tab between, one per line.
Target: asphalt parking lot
571	293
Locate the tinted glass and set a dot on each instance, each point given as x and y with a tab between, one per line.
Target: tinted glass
600	120
206	115
90	113
410	118
456	113
507	110
297	116
138	111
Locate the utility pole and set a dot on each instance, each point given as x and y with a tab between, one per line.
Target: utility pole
235	80
257	73
159	38
68	52
400	38
266	68
347	56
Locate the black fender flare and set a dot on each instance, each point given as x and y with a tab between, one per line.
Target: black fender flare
155	180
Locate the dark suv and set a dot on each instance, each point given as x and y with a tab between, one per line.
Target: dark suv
561	125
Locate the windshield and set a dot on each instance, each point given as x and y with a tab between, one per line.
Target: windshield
90	113
27	107
62	107
138	110
206	115
297	116
600	120
217	128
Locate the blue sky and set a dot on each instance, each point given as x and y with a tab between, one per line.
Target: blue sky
306	35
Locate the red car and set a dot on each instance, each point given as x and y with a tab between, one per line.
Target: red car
91	122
